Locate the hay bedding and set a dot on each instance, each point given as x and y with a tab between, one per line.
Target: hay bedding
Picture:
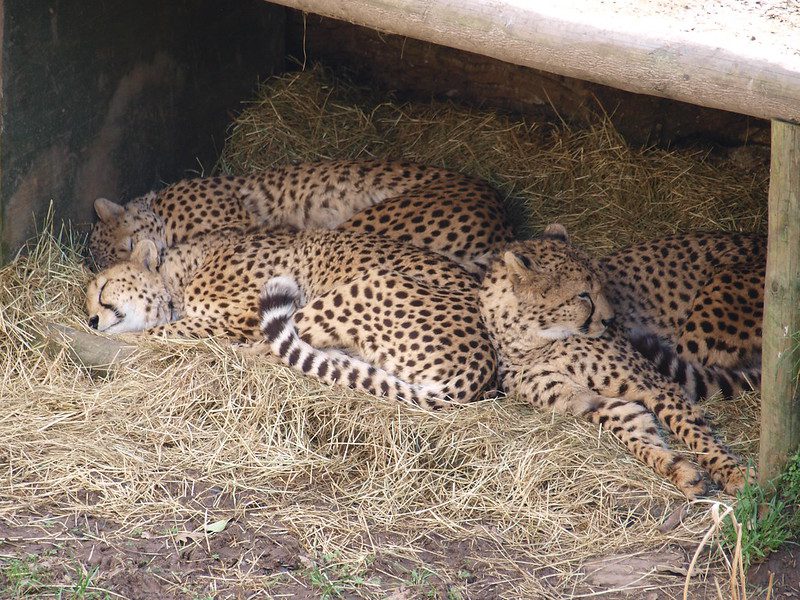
187	433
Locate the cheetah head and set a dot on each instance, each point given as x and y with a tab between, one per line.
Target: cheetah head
119	228
130	295
544	289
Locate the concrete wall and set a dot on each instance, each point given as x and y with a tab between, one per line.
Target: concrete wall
113	97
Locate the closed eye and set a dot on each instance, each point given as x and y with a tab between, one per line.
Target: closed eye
120	315
587	323
525	260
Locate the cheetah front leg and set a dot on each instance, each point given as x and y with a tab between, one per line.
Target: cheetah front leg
667	401
193	328
630	422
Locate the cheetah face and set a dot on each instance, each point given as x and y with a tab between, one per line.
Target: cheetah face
545	289
119	228
129	296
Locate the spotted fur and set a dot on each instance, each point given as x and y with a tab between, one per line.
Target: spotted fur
544	305
404	311
455	215
279	300
694	302
697	380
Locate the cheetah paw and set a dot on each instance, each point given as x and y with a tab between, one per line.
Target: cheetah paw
736	481
689	479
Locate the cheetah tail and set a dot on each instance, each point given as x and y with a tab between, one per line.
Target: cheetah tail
697	380
279	300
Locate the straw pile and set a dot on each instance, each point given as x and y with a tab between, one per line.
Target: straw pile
606	193
335	468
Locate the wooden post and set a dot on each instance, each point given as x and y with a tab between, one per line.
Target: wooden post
780	405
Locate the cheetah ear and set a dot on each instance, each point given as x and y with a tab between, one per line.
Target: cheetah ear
524	272
107	210
520	265
145	253
556	231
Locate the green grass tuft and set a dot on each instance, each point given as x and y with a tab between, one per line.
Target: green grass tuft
332	578
769	515
22	577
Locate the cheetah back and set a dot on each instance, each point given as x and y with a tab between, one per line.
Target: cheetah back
451	213
694	298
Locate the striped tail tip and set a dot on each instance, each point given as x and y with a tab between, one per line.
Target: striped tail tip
279	292
279	300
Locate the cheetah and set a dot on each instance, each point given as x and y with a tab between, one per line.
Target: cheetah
544	305
390	319
695	298
444	211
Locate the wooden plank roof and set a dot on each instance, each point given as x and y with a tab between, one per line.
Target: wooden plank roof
737	55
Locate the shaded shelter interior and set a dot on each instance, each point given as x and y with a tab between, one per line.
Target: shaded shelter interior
116	98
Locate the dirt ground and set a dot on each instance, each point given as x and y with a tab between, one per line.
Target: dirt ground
45	554
783	566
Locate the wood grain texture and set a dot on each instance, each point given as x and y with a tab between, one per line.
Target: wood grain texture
638	53
780	404
419	70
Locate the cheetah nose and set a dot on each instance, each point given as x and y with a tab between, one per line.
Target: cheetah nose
94	322
608	322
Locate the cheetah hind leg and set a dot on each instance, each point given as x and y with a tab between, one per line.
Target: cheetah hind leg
421	333
723	328
463	222
279	299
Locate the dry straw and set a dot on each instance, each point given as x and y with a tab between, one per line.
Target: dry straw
334	467
607	193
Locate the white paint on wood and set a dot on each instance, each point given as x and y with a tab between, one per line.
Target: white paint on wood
737	55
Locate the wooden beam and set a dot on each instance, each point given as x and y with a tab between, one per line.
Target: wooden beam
733	58
780	407
423	70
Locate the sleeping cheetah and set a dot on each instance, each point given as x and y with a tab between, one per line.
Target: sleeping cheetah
455	215
408	319
543	303
694	298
